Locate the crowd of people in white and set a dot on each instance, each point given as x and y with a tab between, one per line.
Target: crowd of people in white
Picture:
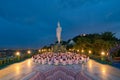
60	58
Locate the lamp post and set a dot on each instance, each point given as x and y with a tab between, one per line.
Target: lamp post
89	52
78	50
82	51
102	55
18	55
29	52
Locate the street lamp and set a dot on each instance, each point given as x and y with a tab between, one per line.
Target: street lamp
103	56
29	52
102	53
78	50
18	53
39	50
82	50
89	51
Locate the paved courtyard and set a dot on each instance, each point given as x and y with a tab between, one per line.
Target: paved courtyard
26	69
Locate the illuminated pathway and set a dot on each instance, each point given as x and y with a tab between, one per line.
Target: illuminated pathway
24	70
101	71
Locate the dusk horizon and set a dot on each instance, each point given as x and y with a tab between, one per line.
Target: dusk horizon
45	44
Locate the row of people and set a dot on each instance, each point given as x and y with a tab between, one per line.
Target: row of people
60	58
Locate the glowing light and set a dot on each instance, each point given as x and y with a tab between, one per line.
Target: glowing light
82	50
77	50
18	53
84	34
90	51
29	52
39	50
102	53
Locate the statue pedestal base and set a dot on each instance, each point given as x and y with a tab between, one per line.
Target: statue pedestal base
59	48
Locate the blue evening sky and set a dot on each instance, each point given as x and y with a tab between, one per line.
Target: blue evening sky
32	23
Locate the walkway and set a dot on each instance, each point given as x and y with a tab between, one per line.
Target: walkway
24	70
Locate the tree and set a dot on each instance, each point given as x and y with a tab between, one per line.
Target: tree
108	36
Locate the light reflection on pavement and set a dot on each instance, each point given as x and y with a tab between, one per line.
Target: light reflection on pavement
93	69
